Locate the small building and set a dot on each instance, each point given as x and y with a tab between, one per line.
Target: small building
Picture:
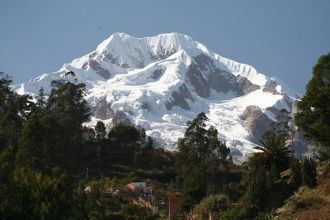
136	186
141	188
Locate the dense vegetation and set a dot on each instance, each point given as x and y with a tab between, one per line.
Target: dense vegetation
314	115
52	167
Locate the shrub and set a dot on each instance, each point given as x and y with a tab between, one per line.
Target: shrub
230	214
308	171
213	203
296	169
311	201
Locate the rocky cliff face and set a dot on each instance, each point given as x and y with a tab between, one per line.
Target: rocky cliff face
256	122
161	82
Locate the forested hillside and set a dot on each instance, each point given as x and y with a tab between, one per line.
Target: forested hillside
52	167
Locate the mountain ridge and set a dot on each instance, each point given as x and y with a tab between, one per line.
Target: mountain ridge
161	82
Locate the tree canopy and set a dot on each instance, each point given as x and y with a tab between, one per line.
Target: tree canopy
200	152
314	108
124	133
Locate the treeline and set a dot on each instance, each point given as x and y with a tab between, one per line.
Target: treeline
47	157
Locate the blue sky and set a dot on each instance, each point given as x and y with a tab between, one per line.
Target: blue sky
279	38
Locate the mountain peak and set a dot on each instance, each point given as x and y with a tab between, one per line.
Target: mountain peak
170	42
120	34
115	38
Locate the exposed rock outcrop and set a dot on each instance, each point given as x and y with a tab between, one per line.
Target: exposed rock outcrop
179	98
244	86
256	122
217	79
99	69
157	74
221	81
162	53
120	117
197	80
102	110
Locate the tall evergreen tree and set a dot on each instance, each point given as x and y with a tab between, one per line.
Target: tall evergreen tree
314	112
100	130
41	100
65	112
5	91
122	133
67	102
33	151
14	111
196	162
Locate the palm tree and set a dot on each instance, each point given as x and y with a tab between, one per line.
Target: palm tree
275	155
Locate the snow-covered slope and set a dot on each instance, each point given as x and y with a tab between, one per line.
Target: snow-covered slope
161	82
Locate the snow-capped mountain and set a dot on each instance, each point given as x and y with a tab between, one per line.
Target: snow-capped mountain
161	82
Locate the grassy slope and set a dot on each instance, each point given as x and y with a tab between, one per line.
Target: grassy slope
307	203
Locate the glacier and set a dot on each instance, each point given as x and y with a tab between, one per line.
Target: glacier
161	82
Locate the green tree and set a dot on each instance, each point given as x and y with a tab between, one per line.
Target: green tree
14	111
32	139
66	110
263	177
122	133
275	155
52	136
36	152
34	195
10	129
41	100
200	152
5	91
67	102
100	130
313	116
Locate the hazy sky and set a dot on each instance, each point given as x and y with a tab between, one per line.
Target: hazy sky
282	38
